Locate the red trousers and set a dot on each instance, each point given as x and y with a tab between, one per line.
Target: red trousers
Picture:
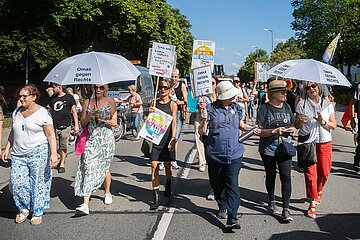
317	174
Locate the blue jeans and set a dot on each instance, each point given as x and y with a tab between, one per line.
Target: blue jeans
251	109
179	123
136	121
224	181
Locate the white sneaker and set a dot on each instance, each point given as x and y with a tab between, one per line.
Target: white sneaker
108	199
175	165
83	209
161	166
202	168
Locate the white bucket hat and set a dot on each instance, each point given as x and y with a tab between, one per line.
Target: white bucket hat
226	90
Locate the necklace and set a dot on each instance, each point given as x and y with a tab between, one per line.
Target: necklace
27	114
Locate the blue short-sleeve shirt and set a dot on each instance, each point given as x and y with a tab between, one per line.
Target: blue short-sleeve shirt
223	139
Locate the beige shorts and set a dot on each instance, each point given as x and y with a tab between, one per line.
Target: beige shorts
62	137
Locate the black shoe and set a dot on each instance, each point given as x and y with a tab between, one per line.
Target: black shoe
167	192
222	214
156	202
61	170
272	208
286	216
234	225
356	167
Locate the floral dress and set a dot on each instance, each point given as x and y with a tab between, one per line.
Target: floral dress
96	159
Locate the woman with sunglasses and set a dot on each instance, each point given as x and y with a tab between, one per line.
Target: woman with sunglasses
315	117
276	122
33	144
99	115
165	151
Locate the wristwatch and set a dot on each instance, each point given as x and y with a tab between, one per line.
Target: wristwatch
323	123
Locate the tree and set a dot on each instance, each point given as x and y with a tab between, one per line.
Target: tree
318	22
286	51
246	72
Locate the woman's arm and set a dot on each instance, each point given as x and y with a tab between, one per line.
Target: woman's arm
85	114
50	134
331	125
172	142
9	144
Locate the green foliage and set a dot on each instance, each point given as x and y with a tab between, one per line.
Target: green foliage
246	72
286	51
318	22
61	28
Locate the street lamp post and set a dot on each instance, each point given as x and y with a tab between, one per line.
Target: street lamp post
272	37
256	50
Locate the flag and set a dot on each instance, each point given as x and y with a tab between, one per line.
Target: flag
330	50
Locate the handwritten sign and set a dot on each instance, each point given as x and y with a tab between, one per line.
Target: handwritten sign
162	60
201	81
203	54
155	126
262	71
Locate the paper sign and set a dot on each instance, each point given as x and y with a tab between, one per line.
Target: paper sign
155	126
261	71
203	54
201	81
162	60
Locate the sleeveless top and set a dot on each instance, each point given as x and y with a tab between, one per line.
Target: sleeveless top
179	94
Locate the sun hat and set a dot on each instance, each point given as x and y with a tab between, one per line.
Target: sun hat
236	79
276	85
226	90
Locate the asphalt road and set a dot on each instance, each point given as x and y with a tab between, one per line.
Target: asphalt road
188	215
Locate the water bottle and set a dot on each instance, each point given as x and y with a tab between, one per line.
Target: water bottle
247	134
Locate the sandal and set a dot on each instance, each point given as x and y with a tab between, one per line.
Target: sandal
318	200
311	212
21	217
36	220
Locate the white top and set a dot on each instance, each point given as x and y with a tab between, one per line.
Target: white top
78	105
310	126
240	98
28	132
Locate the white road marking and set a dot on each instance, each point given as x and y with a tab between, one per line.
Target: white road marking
166	217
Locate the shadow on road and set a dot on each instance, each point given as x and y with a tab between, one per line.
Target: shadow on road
62	189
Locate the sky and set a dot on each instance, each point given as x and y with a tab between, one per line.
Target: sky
237	25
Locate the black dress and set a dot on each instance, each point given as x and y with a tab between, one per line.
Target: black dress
161	152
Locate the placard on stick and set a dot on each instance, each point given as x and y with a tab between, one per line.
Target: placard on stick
162	60
201	81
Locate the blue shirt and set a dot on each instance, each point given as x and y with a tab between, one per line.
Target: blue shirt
223	139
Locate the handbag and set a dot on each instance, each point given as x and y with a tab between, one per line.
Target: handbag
146	148
81	141
285	150
306	153
346	118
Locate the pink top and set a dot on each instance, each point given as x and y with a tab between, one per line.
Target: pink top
136	100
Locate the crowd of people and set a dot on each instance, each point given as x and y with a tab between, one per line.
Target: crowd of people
39	138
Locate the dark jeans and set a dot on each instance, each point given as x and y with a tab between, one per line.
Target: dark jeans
357	151
285	177
224	181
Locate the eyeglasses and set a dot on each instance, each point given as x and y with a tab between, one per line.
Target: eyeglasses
102	88
313	86
164	87
24	97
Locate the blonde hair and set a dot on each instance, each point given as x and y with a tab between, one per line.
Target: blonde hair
132	88
304	92
176	71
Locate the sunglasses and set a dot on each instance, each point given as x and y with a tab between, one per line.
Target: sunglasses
164	87
24	97
213	83
311	86
102	88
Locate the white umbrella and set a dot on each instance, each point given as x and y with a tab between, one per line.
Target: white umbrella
92	68
310	70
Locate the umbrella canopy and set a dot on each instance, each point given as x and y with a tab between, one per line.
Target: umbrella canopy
310	70
92	68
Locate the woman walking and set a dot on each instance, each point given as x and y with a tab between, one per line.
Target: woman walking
276	122
99	115
165	151
137	111
33	144
316	118
223	121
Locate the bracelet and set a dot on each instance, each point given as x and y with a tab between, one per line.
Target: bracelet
324	123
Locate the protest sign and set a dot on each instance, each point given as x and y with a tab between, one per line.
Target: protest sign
261	71
155	126
203	54
162	60
201	81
